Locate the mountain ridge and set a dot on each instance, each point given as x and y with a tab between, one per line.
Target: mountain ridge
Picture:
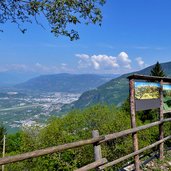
64	82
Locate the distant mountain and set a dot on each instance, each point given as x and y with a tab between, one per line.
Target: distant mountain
12	78
114	91
65	82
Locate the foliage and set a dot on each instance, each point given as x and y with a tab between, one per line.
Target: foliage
77	125
13	142
167	100
112	92
60	14
157	71
126	106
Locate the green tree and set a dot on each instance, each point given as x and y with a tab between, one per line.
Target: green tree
13	142
157	70
61	15
78	125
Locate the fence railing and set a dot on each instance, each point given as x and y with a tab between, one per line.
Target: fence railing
100	162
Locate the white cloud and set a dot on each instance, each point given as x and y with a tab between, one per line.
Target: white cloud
82	56
124	60
140	62
95	64
84	61
96	61
101	61
104	62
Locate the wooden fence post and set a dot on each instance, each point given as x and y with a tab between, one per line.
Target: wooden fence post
3	152
161	117
97	147
133	123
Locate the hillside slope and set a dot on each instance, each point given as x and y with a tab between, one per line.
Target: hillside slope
64	82
114	91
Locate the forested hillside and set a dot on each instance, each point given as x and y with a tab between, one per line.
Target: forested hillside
78	125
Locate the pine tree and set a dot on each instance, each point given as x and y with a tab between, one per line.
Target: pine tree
157	70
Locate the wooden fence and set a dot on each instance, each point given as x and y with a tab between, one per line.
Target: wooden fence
100	163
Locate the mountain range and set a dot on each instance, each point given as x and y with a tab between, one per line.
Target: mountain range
113	92
10	78
107	89
73	83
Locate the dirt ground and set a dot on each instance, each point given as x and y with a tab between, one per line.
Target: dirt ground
157	165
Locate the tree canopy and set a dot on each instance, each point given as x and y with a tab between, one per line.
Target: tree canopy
60	14
78	125
157	70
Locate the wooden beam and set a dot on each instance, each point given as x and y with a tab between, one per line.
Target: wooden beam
3	153
97	147
50	150
132	130
134	153
161	129
93	165
149	78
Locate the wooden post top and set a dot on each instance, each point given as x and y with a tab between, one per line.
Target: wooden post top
149	78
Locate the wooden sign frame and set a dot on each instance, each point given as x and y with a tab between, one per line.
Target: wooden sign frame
133	108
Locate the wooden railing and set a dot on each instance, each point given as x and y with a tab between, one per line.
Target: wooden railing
100	162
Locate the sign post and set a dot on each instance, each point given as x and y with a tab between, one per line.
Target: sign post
161	117
3	153
133	123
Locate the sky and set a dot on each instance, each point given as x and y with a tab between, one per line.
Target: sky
134	34
139	84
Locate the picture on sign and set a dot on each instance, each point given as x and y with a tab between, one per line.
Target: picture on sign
167	97
147	90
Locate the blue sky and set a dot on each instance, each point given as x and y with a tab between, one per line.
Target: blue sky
134	34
